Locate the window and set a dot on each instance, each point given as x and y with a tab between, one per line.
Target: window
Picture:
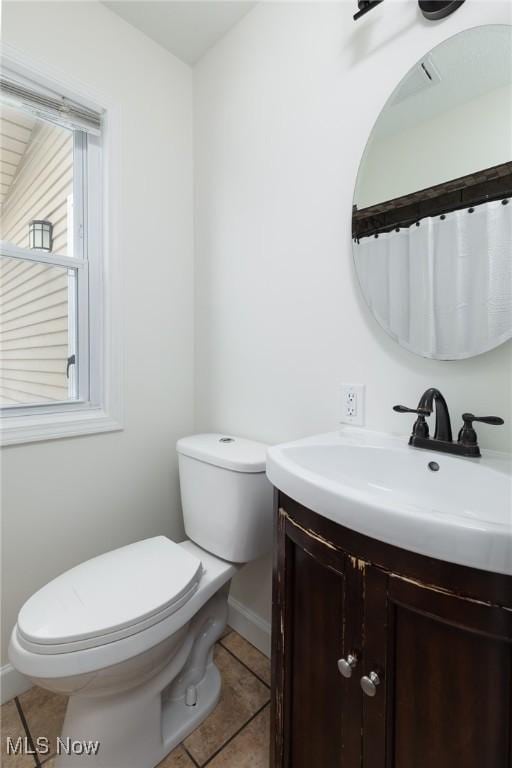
52	378
44	305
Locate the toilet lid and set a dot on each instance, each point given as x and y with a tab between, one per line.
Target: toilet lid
130	587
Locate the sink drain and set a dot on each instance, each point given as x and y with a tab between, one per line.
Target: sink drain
433	466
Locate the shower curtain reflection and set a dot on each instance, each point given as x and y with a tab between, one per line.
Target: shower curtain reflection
443	287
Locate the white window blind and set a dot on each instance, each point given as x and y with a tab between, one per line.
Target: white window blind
48	105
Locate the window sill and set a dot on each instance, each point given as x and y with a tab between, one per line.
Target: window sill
17	429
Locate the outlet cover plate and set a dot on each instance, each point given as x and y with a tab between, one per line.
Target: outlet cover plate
352	410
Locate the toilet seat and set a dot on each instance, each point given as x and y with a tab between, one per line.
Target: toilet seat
30	659
110	597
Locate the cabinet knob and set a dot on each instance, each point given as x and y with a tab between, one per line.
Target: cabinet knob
369	683
346	666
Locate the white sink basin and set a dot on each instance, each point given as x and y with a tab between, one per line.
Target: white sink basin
378	485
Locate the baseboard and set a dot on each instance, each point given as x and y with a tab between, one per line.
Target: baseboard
12	683
248	624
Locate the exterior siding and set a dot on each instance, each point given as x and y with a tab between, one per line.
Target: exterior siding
34	297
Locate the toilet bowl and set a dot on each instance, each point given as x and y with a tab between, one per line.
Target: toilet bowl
129	635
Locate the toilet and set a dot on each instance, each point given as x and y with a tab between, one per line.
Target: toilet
129	635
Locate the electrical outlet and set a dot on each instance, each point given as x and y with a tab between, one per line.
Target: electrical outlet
352	404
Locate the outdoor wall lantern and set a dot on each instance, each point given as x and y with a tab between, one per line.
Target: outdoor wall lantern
40	235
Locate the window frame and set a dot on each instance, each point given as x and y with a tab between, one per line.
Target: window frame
99	349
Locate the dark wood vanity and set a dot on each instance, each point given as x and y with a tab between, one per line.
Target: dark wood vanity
432	640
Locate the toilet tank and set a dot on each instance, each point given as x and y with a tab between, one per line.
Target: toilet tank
226	496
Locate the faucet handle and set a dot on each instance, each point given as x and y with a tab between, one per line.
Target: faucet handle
468	418
467	434
419	411
420	428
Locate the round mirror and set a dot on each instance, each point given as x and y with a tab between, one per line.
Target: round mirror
432	212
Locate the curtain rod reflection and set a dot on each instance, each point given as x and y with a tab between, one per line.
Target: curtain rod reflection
416	222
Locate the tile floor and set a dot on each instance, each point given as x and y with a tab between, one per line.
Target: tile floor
236	735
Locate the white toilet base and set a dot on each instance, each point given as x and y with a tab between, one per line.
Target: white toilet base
139	727
179	720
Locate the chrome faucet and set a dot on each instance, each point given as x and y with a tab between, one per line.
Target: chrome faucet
467	443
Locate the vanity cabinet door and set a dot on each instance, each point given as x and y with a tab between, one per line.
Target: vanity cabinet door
316	711
445	666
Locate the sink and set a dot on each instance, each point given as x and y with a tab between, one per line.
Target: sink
448	507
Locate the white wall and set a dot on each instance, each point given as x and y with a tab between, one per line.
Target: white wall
67	500
283	108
